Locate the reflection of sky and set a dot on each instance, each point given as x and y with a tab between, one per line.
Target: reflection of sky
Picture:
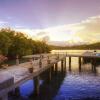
75	87
27	88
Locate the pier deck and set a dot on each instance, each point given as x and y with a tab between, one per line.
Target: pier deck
18	74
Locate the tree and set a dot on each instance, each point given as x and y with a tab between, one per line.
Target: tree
5	43
16	43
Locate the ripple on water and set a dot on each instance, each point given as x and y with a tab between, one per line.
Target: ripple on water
79	86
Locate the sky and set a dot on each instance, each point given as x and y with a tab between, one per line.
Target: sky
59	22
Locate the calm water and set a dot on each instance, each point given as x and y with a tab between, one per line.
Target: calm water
67	85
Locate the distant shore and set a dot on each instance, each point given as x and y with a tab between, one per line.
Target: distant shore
94	46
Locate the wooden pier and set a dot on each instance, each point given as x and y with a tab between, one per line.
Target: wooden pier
12	77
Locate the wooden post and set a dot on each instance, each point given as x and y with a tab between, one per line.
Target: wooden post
56	67
17	60
40	62
48	60
31	67
79	63
17	91
49	74
65	63
69	63
93	65
36	85
62	66
52	68
61	62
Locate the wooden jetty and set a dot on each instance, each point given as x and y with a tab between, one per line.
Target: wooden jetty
12	77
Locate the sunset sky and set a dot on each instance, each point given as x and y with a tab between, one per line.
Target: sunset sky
62	22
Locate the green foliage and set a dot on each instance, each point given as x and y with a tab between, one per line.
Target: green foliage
5	42
16	43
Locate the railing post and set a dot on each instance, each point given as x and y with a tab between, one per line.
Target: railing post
40	61
57	56
31	67
17	60
48	60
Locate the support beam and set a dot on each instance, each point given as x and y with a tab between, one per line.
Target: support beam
36	85
56	68
69	63
17	91
93	62
52	68
65	63
49	78
79	63
62	65
62	62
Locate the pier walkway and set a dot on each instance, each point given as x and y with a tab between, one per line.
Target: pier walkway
13	76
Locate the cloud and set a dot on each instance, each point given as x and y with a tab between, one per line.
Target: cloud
29	32
41	33
91	30
3	22
87	31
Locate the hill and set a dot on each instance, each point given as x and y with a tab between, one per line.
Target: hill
82	47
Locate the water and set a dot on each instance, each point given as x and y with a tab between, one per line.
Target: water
70	84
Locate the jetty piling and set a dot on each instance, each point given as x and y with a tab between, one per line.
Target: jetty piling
79	63
36	85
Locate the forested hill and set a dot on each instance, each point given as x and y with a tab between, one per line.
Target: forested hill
14	43
85	46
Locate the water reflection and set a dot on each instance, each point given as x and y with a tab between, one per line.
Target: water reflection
71	83
49	90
